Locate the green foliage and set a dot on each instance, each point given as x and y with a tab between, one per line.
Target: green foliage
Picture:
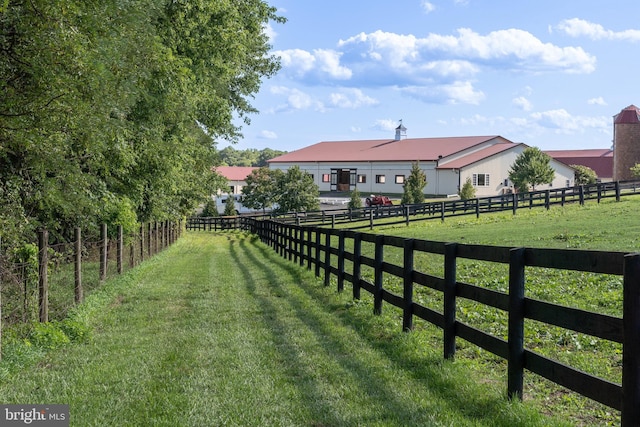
119	211
635	170
413	188
250	157
296	191
121	101
48	335
260	191
467	191
210	209
531	167
585	175
355	201
230	206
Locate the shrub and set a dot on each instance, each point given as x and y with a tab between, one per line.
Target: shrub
467	191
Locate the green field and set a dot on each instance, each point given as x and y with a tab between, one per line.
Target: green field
219	330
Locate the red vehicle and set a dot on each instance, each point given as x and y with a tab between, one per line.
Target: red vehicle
378	201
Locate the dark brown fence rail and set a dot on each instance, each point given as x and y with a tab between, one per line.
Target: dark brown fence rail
324	250
398	214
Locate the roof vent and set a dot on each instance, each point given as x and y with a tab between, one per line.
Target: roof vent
401	132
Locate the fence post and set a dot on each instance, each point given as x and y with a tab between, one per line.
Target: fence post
631	345
43	275
477	207
341	261
357	263
120	249
515	202
104	247
442	211
617	191
449	303
547	201
379	257
78	291
149	239
309	233
581	193
407	274
515	370
407	214
371	219
317	245
141	242
327	258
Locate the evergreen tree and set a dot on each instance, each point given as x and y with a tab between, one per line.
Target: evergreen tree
355	201
413	188
230	206
467	191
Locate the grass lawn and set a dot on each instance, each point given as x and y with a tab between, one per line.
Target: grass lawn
218	330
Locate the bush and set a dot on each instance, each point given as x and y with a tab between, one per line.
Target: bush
467	191
48	336
355	202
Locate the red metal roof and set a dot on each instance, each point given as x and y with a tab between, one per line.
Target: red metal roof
600	160
631	114
478	155
234	173
409	149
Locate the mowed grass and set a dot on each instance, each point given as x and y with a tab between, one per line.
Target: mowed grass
218	330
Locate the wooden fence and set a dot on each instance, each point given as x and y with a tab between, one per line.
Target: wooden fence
109	253
324	250
398	214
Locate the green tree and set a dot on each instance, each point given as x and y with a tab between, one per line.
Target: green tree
584	175
413	188
467	191
121	101
296	191
260	191
635	170
210	209
230	206
531	167
355	201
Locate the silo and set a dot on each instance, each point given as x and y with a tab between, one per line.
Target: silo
626	142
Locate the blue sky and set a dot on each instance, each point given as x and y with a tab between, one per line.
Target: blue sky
550	74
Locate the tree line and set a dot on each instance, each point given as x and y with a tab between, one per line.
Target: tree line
111	111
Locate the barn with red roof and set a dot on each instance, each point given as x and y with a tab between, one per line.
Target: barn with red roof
381	166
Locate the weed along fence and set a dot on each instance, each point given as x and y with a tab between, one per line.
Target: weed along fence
392	271
42	281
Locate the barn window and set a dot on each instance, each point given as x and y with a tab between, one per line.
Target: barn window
325	177
480	179
362	179
399	179
380	179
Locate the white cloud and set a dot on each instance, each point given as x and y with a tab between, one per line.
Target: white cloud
296	99
322	63
597	101
351	98
522	103
267	134
386	124
563	122
576	27
268	30
427	6
455	93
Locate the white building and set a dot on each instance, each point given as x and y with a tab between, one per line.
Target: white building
381	166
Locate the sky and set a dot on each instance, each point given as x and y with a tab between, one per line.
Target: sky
550	74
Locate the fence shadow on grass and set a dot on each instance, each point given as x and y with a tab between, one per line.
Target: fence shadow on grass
425	370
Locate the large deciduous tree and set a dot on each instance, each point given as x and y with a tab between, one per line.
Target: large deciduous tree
532	167
113	108
260	191
296	191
